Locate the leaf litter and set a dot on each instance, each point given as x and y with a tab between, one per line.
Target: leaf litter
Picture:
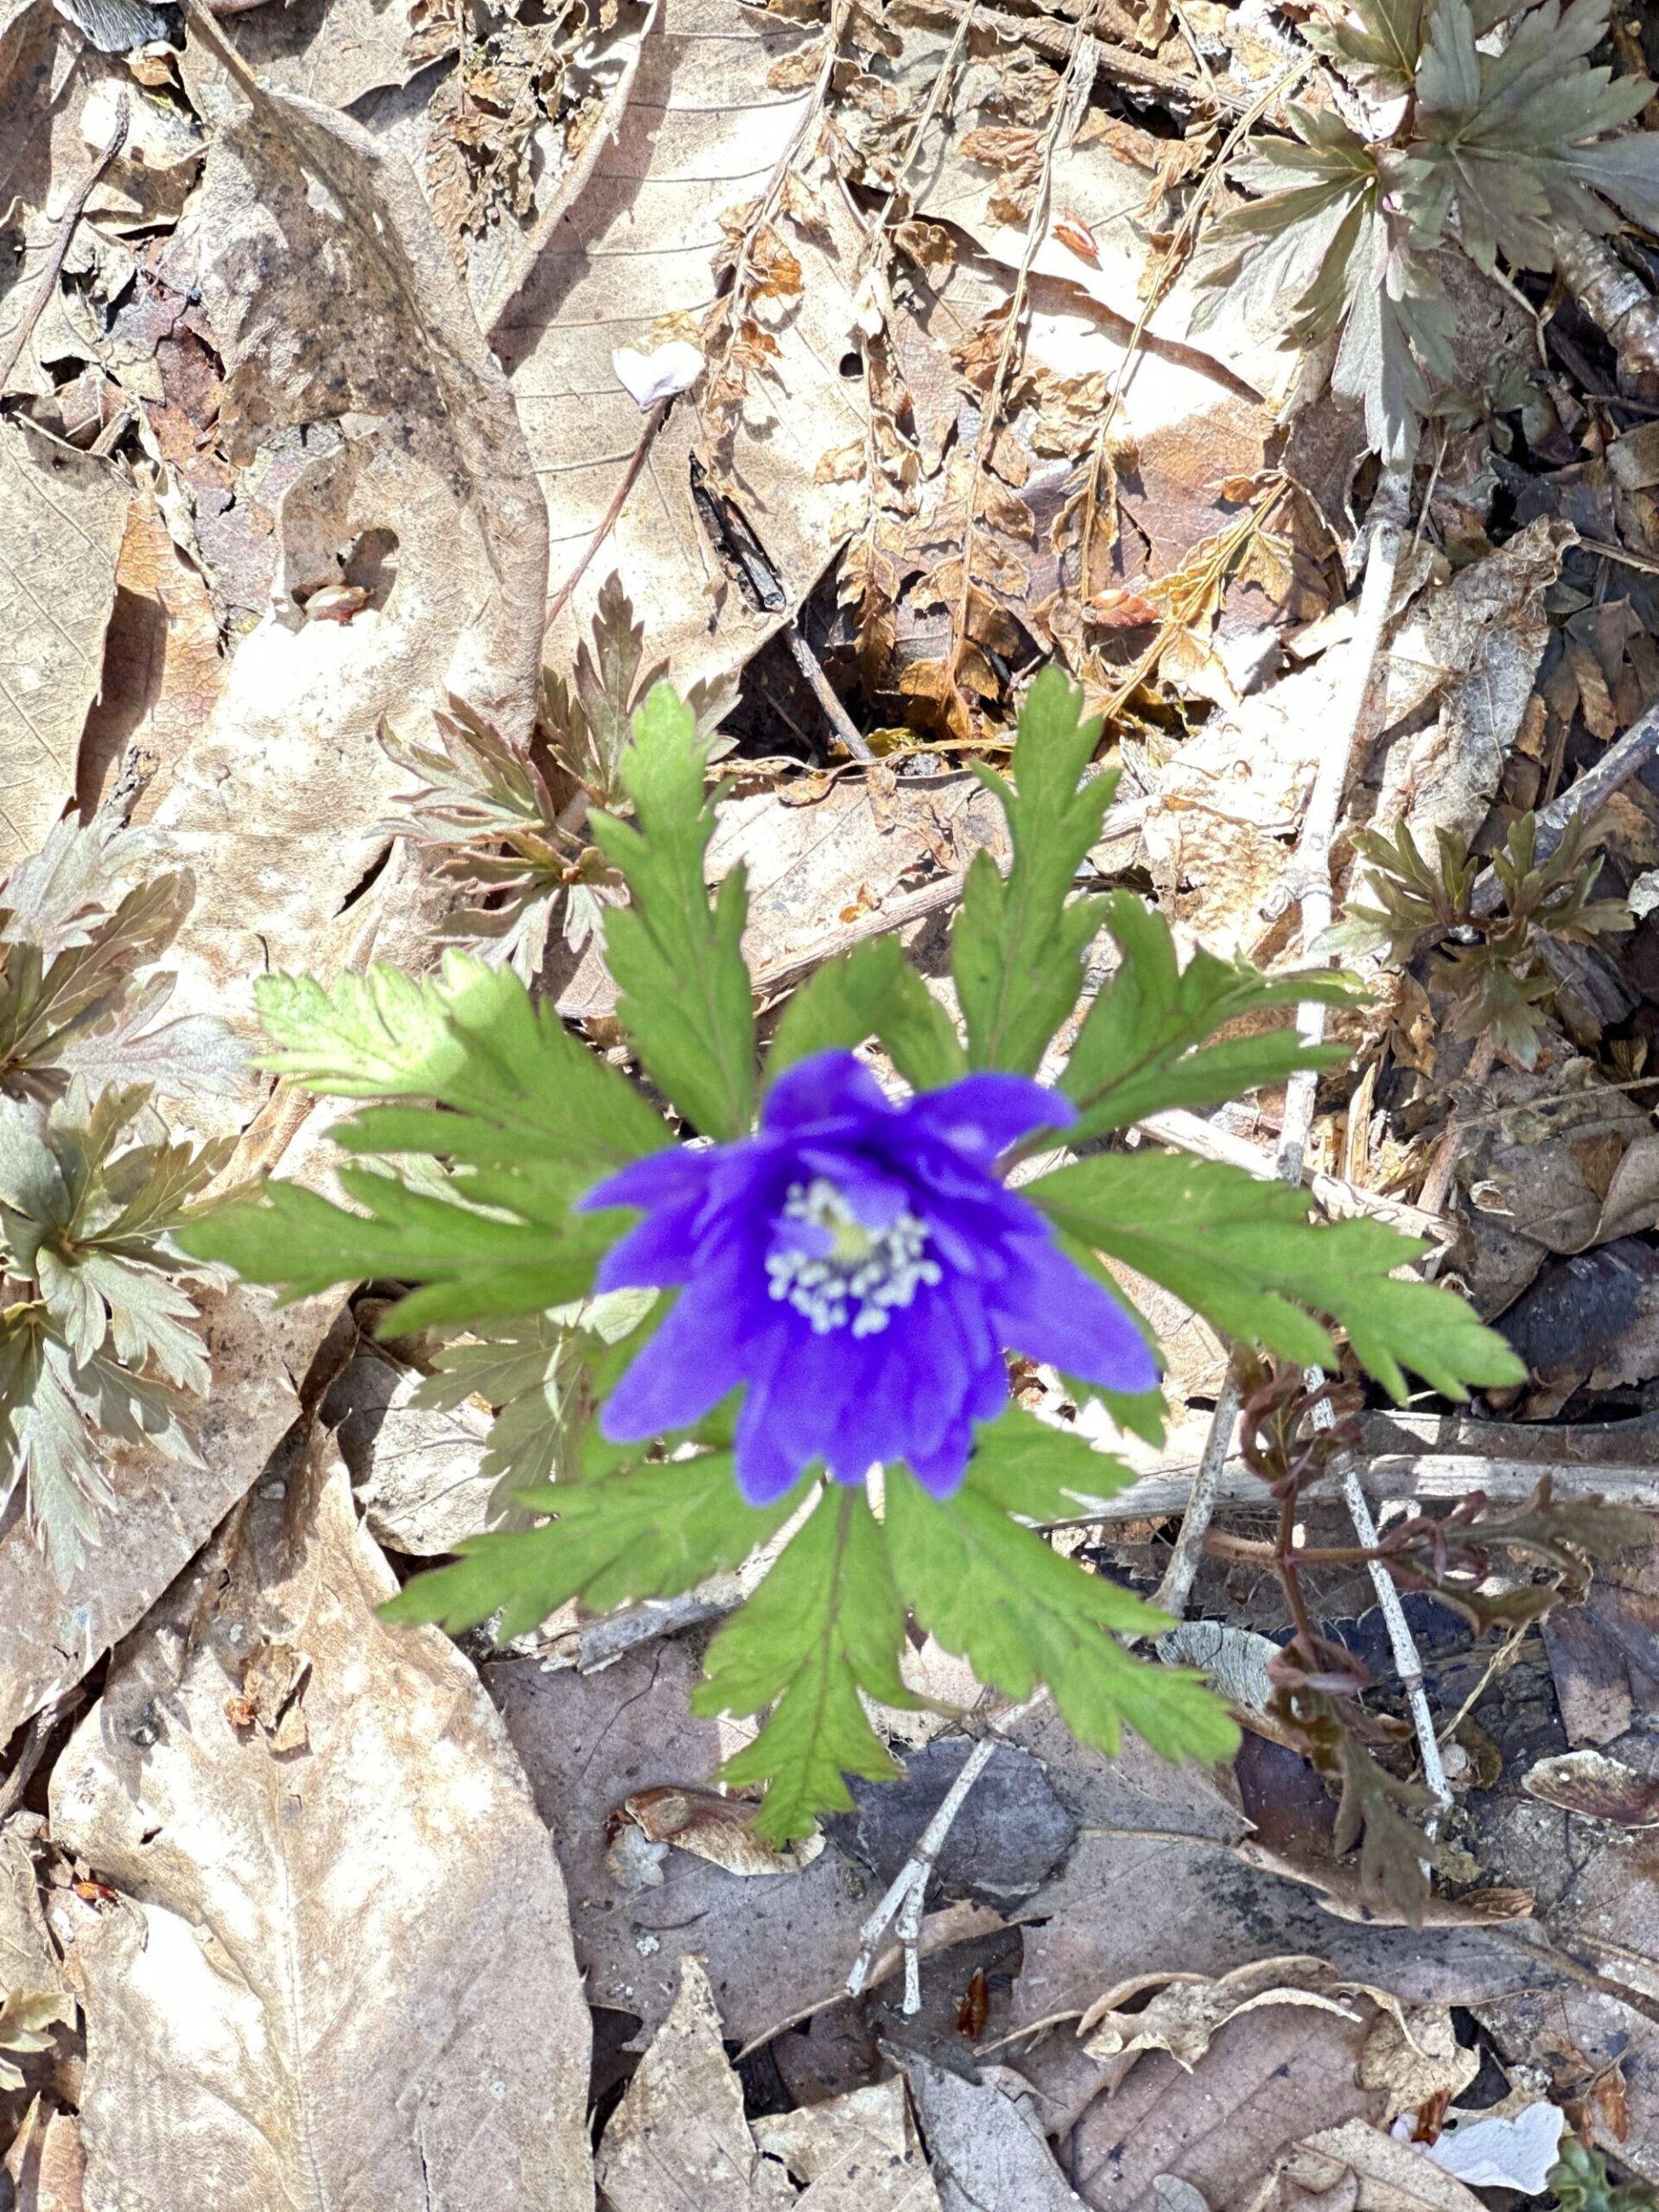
408	387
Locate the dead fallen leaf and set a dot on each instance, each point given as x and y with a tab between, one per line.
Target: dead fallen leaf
417	1470
335	304
678	2141
47	2163
1391	2176
164	1512
308	2002
1222	2125
162	668
986	2142
1416	2060
855	2154
1186	2010
1475	643
1596	1788
1128	1903
719	1829
62	516
330	51
589	1741
635	247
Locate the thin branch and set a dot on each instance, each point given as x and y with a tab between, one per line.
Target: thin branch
654	422
901	1902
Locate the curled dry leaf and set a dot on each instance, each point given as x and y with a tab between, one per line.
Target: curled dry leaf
1596	1788
307	2006
1188	2010
1416	2059
719	1829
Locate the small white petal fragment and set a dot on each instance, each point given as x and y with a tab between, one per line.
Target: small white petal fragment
1513	2154
647	377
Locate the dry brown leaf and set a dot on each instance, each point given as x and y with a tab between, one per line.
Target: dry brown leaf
1596	1788
678	2141
62	516
1475	644
1126	1904
1416	2060
46	2162
855	2154
1222	2127
307	2007
587	1741
163	667
334	303
331	51
636	244
164	1512
986	2142
719	1829
1187	2011
419	1470
1391	2176
27	1959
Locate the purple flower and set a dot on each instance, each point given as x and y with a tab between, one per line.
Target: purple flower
860	1266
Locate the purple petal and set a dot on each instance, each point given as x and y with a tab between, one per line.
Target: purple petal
940	1472
662	1249
823	1089
983	1114
765	1467
1049	1309
661	1179
693	1360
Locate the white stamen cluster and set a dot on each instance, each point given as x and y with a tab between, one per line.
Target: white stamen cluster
866	1275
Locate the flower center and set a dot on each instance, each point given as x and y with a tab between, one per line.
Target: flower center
864	1274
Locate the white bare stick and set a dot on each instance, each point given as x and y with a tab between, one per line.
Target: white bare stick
904	1896
1309	882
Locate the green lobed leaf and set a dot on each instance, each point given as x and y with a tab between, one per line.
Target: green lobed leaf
474	1266
471	1040
685	996
871	991
998	1595
1245	1255
648	1530
1026	1467
1501	130
1138	1049
1017	948
825	1624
